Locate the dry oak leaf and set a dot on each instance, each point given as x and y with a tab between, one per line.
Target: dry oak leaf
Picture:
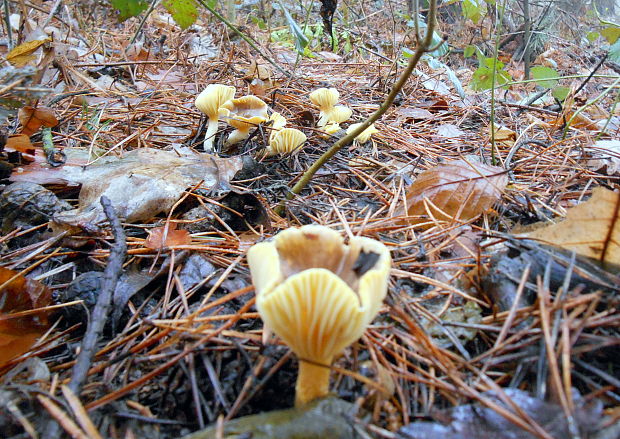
590	229
33	118
167	236
454	191
24	53
18	334
140	185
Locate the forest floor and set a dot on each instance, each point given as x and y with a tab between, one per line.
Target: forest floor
479	323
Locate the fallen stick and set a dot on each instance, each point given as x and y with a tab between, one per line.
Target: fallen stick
112	273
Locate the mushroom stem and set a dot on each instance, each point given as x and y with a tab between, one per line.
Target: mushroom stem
312	382
210	135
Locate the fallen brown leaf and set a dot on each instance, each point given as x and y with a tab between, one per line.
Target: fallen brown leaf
22	54
590	229
18	334
167	236
454	191
33	118
141	184
20	142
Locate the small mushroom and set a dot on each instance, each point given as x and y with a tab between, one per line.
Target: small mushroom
279	122
365	135
330	129
318	295
209	102
285	141
246	113
326	99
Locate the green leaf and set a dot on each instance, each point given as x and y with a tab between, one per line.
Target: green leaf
611	34
614	52
545	76
469	51
560	93
301	40
212	3
473	9
129	8
483	76
592	36
437	40
184	12
259	22
435	64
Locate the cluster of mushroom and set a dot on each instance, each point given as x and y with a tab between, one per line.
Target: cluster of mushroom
217	101
332	115
318	295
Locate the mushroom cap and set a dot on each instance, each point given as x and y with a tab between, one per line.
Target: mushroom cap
246	112
279	122
285	141
213	97
324	98
337	114
329	129
364	136
317	293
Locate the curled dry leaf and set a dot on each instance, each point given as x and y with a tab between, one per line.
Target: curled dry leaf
18	334
610	149
167	236
33	118
590	229
141	184
454	191
504	137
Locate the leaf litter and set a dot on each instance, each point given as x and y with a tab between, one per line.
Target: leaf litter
463	317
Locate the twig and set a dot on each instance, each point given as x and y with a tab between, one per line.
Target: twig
144	18
422	48
7	22
594	70
100	314
53	12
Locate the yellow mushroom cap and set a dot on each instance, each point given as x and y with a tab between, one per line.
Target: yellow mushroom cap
246	112
338	114
364	136
213	97
279	122
315	292
324	98
329	129
285	141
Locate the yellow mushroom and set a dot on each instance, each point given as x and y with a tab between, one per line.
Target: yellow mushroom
339	114
365	135
330	129
279	122
285	141
318	295
326	99
246	113
209	102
